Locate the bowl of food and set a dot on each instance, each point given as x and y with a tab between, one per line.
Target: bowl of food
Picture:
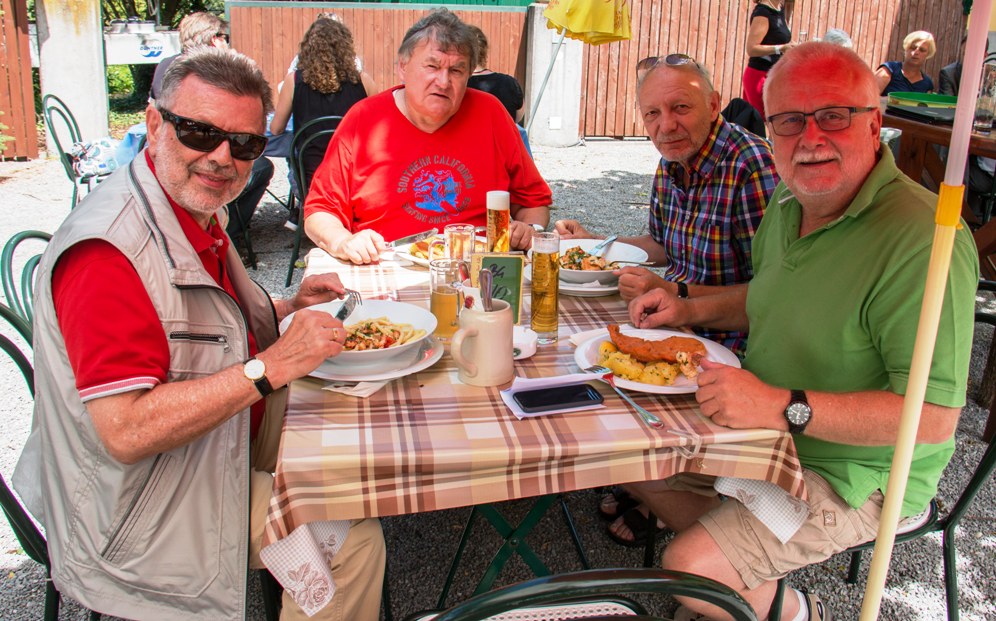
578	265
380	333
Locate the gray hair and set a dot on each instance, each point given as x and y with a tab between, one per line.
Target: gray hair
445	28
838	37
225	69
818	57
200	29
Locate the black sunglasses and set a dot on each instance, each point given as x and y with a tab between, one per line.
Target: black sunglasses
674	60
206	138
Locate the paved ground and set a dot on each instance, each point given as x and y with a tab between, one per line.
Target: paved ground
606	185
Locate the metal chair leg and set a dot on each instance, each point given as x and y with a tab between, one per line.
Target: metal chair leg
854	568
569	520
272	595
295	253
650	548
775	612
51	599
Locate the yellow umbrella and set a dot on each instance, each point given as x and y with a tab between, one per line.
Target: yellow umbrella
948	210
590	21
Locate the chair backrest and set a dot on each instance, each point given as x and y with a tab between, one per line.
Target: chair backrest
27	533
304	136
739	111
20	291
56	110
595	584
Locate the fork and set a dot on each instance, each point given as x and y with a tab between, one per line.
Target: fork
600	248
605	375
353	299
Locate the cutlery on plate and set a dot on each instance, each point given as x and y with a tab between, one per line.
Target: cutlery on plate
605	375
625	262
600	248
353	299
411	239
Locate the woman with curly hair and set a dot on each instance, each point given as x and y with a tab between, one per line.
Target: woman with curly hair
326	83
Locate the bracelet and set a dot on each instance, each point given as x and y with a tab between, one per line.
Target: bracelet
778	49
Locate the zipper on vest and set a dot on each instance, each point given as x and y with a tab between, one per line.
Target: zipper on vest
121	531
220	339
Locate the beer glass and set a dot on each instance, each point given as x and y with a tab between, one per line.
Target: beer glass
546	286
459	241
445	283
499	222
986	104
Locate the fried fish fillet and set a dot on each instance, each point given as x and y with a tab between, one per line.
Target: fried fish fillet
667	349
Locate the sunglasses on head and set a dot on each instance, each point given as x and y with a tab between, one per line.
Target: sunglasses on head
206	138
673	60
223	35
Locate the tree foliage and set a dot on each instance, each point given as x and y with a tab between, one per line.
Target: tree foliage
171	11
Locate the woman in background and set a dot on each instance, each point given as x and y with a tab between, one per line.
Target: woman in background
907	75
326	83
503	86
767	38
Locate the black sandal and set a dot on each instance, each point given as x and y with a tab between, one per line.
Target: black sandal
639	525
624	502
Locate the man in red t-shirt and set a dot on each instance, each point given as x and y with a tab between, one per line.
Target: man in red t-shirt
423	154
156	356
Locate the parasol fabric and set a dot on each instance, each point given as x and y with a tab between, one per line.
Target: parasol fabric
590	21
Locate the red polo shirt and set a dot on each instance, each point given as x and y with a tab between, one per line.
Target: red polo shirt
114	339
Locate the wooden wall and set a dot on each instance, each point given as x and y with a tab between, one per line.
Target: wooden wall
271	32
17	102
714	32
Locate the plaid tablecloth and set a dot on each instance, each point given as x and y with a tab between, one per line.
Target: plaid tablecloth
427	442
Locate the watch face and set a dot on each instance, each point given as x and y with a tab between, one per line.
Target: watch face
255	369
798	413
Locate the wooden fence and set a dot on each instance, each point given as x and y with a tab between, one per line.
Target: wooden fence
19	139
715	33
271	32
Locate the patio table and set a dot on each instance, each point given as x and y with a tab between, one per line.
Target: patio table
427	442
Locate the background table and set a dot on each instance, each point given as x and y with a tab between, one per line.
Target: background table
427	442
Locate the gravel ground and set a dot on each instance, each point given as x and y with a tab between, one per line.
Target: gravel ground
605	184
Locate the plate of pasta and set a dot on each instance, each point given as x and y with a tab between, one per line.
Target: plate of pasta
381	335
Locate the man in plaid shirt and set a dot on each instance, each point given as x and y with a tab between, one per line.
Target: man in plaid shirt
709	193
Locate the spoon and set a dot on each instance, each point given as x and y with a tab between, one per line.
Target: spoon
599	249
484	280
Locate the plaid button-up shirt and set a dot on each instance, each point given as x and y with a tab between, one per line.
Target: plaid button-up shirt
706	223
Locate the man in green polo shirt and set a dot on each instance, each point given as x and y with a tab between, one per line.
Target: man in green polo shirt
840	260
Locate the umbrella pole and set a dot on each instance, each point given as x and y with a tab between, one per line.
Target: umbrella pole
948	209
546	78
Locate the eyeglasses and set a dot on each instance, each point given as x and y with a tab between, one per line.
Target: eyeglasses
830	119
673	60
206	138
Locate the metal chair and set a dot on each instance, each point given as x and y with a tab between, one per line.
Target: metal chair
584	594
20	293
303	137
987	386
56	110
28	535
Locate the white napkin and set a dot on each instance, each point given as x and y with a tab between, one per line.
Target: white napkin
523	383
355	389
300	562
580	337
780	511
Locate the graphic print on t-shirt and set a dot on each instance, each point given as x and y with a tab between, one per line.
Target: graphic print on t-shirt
435	188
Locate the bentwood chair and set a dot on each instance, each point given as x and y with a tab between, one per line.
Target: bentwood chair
304	137
592	594
20	291
27	533
65	132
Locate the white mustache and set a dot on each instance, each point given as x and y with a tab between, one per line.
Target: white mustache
214	170
810	157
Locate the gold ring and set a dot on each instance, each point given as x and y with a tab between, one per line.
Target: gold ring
335	334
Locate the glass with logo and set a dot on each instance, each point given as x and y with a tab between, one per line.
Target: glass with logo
499	221
445	285
545	286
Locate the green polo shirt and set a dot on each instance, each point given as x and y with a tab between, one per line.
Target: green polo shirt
837	311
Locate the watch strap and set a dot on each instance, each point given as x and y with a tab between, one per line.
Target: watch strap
682	291
798	396
262	383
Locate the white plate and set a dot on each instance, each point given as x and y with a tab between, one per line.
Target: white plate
581	291
403	253
429	355
617	251
379	360
586	355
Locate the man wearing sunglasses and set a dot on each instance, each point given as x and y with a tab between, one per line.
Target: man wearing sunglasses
839	266
160	375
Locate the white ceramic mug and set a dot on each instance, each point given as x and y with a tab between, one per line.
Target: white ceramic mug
482	347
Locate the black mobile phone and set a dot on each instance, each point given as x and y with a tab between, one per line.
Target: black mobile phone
557	398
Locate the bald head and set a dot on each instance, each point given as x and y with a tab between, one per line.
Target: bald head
820	62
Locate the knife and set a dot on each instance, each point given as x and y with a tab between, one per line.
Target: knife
411	239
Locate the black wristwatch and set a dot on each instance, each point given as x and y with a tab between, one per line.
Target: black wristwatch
682	291
798	413
255	371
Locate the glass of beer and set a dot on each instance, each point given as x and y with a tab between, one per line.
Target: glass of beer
445	284
546	286
459	241
499	222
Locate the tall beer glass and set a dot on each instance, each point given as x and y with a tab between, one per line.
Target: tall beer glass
499	221
546	286
445	280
